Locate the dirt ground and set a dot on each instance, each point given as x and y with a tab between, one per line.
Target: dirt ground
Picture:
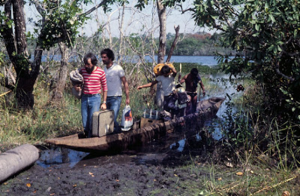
108	179
186	167
157	169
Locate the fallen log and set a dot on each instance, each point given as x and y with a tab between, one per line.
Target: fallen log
17	159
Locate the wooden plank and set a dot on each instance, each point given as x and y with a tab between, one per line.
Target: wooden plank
147	121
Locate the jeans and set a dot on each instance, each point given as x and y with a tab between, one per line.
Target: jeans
114	103
89	105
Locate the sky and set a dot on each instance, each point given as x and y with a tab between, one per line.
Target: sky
145	21
135	21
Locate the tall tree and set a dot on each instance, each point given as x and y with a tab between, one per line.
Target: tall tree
266	36
59	22
62	75
161	10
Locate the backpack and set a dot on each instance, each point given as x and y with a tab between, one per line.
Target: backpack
182	97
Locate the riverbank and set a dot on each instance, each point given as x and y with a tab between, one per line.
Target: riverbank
241	164
193	171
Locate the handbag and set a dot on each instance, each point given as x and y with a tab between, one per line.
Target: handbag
127	120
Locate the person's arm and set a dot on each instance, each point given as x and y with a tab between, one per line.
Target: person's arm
125	83
77	87
183	79
103	105
147	85
202	86
174	71
104	89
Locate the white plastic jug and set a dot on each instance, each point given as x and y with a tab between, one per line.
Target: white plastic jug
127	120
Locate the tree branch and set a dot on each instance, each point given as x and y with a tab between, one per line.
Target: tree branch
142	59
183	11
39	7
174	43
283	75
92	9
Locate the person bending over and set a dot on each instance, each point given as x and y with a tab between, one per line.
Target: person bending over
167	80
192	80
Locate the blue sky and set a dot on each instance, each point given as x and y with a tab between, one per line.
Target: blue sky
141	22
136	21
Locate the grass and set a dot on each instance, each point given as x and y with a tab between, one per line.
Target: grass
258	177
49	120
258	181
252	179
44	121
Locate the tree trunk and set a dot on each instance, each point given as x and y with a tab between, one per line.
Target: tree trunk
161	9
63	72
121	23
16	46
174	43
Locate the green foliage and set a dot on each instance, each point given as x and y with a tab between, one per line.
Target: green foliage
203	69
237	127
197	44
266	34
62	22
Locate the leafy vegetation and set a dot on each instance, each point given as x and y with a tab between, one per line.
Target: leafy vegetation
262	37
265	35
198	44
63	118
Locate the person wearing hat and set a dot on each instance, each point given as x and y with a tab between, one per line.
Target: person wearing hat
167	81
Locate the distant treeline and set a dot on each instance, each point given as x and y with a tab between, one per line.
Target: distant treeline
203	69
198	44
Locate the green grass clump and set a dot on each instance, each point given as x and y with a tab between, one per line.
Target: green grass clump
46	120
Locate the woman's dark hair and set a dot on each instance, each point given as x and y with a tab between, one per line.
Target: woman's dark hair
109	53
194	72
165	69
91	56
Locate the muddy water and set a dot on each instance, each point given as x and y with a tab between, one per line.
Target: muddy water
154	151
225	88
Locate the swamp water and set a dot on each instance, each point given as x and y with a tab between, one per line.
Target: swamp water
154	151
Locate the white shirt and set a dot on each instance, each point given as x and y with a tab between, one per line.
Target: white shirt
167	83
113	79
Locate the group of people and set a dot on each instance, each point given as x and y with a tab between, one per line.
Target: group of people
109	82
96	81
167	80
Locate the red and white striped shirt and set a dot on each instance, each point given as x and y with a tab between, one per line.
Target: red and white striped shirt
94	81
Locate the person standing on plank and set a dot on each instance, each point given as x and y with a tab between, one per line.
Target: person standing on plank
115	76
192	80
94	82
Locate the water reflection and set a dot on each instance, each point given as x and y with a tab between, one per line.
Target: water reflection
226	88
179	146
58	155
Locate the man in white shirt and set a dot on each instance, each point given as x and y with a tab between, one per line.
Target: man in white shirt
115	76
